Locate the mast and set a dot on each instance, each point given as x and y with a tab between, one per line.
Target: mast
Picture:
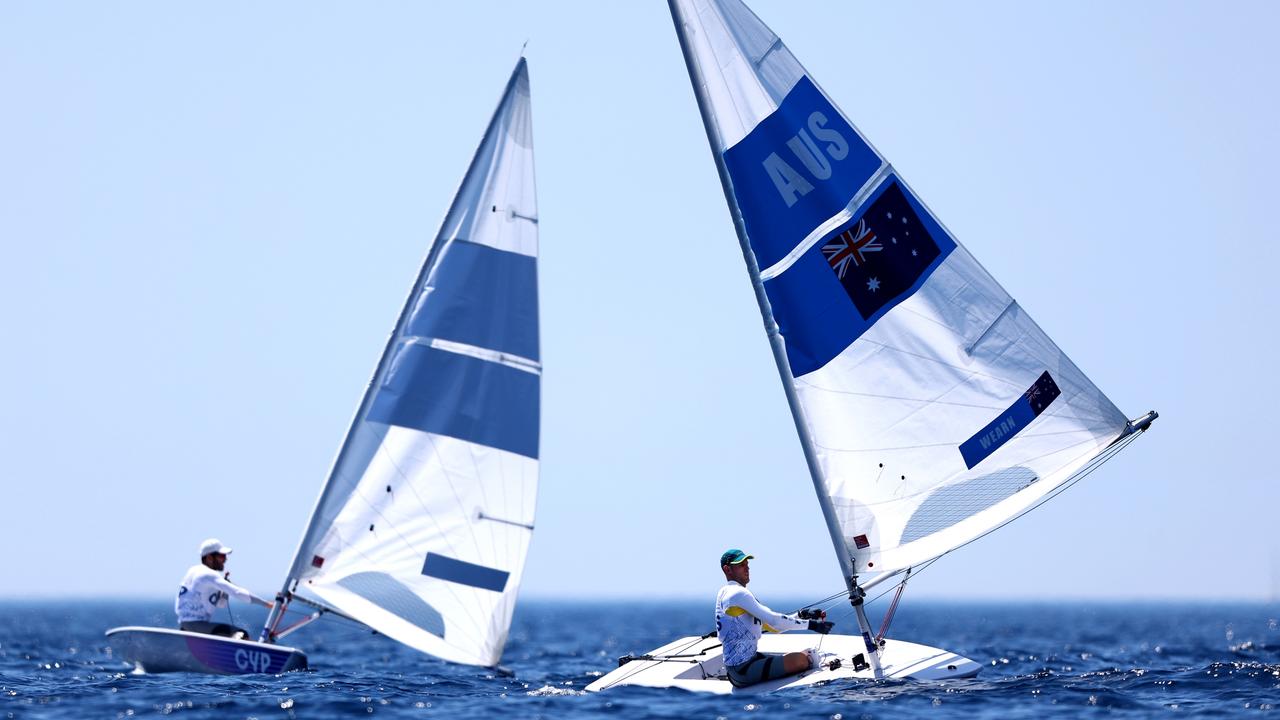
313	524
766	313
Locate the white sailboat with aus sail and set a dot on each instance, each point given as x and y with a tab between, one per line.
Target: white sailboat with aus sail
930	407
422	527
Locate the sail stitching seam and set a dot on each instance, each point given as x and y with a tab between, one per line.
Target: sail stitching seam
533	367
848	211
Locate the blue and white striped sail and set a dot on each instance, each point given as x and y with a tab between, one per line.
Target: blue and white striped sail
931	407
422	528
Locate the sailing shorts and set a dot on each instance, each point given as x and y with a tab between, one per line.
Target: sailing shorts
211	628
758	669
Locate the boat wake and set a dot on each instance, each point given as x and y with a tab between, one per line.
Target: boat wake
553	691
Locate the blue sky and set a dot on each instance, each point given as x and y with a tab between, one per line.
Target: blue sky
210	217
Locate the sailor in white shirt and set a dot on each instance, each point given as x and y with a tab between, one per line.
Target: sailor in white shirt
741	619
206	588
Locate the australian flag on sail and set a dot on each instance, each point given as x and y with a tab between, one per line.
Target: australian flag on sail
882	254
844	283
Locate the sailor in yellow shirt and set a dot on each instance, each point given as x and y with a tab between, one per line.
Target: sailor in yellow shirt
741	619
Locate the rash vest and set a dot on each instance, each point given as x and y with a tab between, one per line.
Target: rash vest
204	590
740	619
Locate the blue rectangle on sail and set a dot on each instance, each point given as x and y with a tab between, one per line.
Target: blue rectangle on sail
464	573
480	296
460	396
849	279
796	169
1026	408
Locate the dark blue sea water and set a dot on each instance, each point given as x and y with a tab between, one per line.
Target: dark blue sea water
1040	661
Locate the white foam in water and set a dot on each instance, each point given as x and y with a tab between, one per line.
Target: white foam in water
553	691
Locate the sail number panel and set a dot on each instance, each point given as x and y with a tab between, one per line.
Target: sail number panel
796	169
453	570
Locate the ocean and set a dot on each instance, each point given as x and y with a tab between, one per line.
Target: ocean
1039	661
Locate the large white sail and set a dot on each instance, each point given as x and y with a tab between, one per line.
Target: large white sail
422	528
932	408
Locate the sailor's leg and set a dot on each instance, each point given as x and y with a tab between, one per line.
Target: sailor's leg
767	667
200	626
797	662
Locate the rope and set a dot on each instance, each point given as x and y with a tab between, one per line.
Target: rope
893	607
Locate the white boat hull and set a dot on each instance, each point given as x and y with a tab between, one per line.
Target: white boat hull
158	650
696	664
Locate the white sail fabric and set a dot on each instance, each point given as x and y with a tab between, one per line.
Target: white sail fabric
934	407
422	529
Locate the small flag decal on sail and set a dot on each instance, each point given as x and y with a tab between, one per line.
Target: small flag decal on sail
1026	408
880	256
861	542
317	561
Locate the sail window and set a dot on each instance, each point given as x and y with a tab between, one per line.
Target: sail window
951	504
391	595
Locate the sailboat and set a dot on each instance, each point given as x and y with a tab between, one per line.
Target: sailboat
931	408
422	526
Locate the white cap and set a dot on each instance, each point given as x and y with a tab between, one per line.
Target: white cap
213	545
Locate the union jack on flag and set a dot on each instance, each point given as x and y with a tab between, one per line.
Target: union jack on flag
852	244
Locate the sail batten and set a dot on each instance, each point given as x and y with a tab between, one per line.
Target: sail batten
931	407
447	433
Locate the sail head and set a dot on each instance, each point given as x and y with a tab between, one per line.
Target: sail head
931	406
423	526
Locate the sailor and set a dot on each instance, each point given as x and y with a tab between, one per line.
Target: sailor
740	619
207	587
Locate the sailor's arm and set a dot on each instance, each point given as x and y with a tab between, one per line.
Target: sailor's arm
237	592
773	621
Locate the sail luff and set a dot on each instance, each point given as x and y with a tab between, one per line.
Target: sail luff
757	285
314	525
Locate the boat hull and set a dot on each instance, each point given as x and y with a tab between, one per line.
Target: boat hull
159	650
700	667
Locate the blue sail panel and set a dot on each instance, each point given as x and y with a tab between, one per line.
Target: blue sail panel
460	396
480	296
462	572
855	274
796	169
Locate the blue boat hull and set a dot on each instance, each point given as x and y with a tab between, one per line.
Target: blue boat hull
157	650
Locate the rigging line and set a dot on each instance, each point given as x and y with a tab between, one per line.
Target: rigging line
829	598
893	608
642	668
